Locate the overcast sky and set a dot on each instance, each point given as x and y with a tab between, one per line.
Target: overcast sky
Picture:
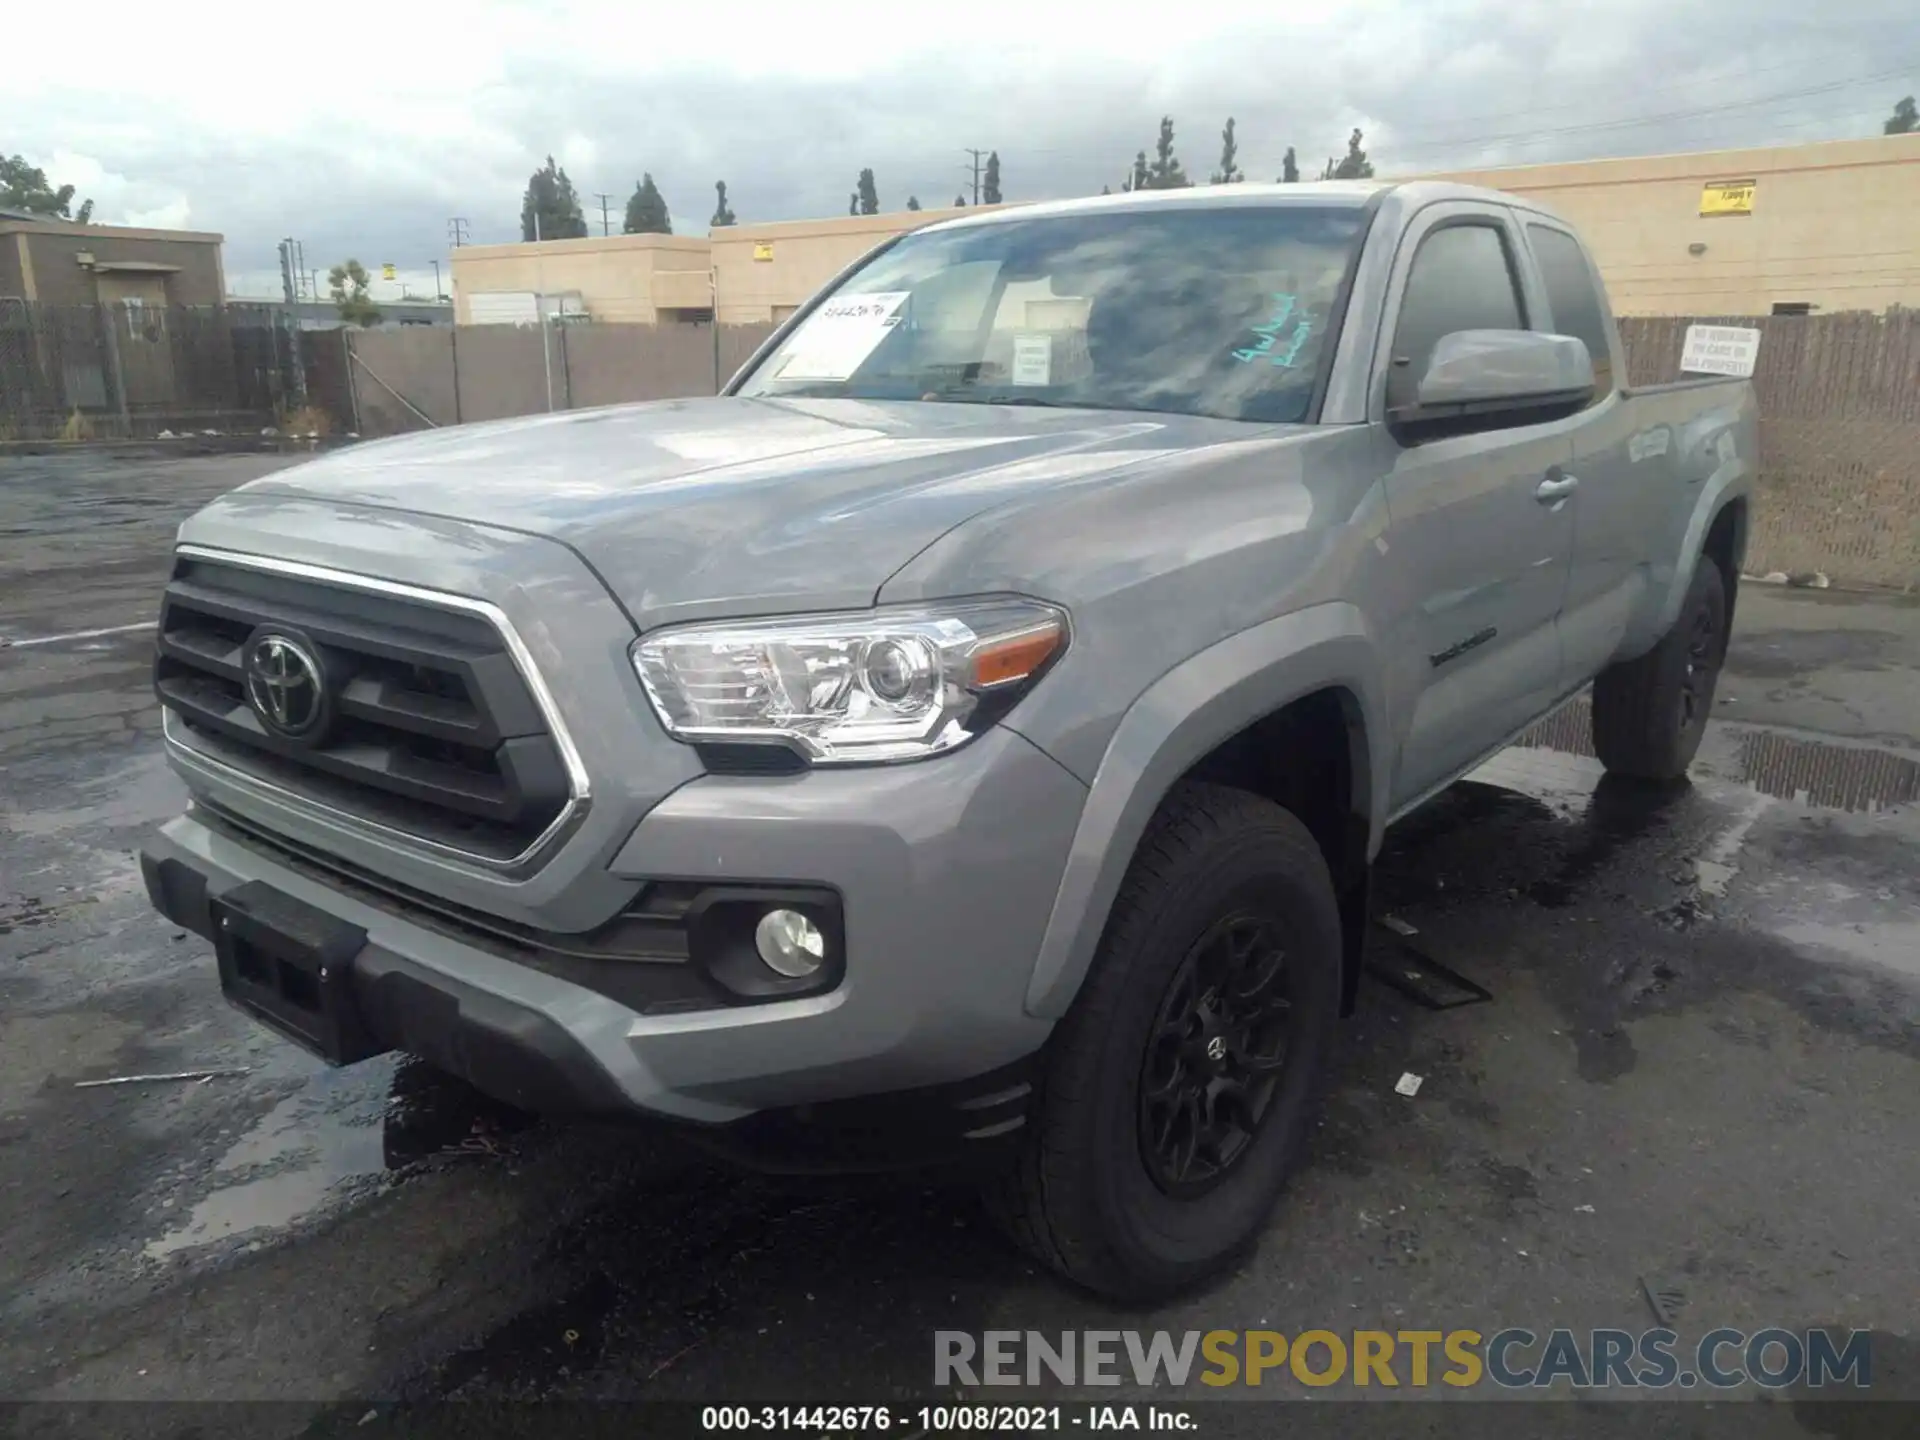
364	136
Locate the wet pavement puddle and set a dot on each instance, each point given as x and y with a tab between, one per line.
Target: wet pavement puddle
1707	845
345	1129
287	1165
1541	824
1822	773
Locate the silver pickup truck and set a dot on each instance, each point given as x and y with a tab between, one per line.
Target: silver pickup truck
967	738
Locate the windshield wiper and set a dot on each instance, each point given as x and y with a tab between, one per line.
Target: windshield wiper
970	396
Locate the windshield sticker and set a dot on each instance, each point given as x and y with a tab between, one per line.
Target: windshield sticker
1270	346
838	337
1032	360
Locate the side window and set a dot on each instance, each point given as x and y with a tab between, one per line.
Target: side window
1574	298
1462	279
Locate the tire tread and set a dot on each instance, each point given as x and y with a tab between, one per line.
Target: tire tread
1038	1199
1634	701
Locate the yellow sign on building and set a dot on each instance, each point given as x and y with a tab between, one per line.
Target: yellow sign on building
388	272
763	251
1727	197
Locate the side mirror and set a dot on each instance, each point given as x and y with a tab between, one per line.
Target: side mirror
1500	376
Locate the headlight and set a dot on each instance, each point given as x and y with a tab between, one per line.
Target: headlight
847	689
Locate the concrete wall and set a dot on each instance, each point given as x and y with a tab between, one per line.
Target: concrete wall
12	251
614	275
45	265
1832	225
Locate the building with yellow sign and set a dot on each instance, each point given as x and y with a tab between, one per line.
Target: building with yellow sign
1794	230
1791	230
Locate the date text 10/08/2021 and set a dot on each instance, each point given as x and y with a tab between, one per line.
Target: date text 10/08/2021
937	1419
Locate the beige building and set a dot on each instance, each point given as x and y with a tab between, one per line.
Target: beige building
639	279
1792	230
764	272
1796	229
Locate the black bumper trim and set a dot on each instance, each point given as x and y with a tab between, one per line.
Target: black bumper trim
962	1125
505	1050
521	1057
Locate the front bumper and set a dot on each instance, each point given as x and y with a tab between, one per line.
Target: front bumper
946	872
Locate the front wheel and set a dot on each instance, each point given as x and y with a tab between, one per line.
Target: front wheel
1180	1086
1649	713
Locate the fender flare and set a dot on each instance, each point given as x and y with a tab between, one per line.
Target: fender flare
1732	480
1180	718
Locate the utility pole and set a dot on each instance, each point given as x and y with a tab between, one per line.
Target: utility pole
438	293
603	198
457	231
979	160
291	270
540	314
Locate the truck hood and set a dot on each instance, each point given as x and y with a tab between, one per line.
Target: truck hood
695	508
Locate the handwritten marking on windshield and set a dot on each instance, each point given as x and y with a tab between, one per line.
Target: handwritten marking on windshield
1269	333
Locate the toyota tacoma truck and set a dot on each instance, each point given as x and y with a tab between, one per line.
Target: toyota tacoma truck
966	738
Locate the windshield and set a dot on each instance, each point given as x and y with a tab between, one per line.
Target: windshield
1224	311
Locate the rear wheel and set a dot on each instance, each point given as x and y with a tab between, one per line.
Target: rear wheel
1180	1085
1649	713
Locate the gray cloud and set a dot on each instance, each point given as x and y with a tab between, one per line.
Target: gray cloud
1435	85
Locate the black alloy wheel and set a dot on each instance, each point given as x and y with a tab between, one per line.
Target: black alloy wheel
1703	665
1214	1057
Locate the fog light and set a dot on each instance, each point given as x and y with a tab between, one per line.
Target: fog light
790	943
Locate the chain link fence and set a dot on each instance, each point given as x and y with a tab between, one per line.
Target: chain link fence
128	371
1839	486
1838	494
418	378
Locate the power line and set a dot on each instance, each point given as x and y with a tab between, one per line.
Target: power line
457	231
1693	82
1661	119
1432	144
603	198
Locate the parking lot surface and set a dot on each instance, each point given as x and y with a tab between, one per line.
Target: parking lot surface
1697	1076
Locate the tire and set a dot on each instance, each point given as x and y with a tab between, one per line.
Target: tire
1092	1194
1649	713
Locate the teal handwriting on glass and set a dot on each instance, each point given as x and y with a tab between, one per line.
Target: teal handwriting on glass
1285	355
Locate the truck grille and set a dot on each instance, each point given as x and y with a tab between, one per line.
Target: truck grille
390	710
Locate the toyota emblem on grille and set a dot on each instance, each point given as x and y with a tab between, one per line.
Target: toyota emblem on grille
285	685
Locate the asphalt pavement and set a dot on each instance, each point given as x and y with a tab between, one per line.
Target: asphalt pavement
1695	1079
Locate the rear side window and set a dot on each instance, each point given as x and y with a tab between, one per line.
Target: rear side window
1462	279
1574	298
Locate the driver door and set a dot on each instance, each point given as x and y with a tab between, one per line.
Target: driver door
1480	537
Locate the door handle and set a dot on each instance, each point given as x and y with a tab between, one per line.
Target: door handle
1554	489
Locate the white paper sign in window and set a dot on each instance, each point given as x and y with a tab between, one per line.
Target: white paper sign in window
837	337
1032	360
